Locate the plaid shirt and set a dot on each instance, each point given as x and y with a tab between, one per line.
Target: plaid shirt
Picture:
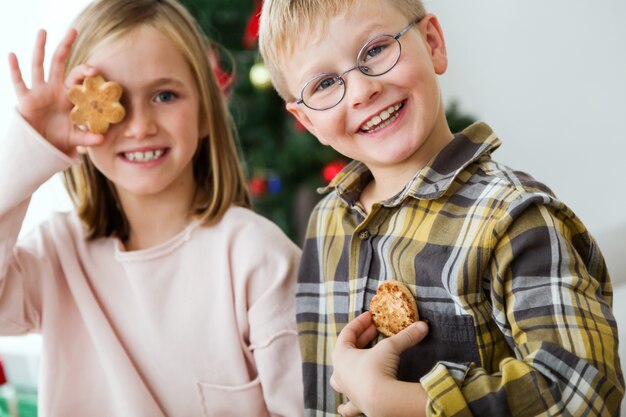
515	290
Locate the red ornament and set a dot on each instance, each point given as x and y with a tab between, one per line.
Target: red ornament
3	378
225	79
332	168
258	186
251	34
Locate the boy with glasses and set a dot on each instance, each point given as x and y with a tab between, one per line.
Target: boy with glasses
514	289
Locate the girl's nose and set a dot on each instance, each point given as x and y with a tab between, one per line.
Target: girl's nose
139	122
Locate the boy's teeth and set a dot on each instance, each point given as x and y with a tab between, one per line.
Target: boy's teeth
143	156
385	117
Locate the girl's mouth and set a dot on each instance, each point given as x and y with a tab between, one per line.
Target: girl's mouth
382	119
144	156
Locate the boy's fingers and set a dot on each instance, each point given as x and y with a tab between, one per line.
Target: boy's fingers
333	383
408	337
16	76
365	319
351	332
366	337
348	410
37	70
57	70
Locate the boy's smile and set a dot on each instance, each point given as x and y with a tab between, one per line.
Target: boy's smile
383	119
395	122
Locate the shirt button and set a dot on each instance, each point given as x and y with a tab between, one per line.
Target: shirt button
364	234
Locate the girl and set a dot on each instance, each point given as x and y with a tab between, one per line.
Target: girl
163	294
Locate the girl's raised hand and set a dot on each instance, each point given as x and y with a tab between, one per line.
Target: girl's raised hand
45	105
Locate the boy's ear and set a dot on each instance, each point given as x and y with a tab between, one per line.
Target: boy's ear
298	113
433	35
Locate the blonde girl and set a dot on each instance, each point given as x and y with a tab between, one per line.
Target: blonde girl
162	294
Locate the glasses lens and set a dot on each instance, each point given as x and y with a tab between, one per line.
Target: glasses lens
379	55
323	91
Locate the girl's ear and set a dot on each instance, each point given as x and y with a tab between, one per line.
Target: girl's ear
298	113
433	35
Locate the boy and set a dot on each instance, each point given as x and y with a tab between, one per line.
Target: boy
514	289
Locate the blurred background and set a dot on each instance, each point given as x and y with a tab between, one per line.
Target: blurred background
549	77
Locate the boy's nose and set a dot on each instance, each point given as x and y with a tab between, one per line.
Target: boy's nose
139	122
361	89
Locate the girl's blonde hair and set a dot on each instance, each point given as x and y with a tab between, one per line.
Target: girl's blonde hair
283	23
217	169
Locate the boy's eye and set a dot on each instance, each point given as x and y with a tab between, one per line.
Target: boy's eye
165	97
377	50
324	83
372	52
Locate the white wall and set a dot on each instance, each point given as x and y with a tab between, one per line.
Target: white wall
20	21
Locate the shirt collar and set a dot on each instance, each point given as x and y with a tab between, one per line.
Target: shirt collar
433	180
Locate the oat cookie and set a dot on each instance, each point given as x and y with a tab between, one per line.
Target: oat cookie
393	308
96	104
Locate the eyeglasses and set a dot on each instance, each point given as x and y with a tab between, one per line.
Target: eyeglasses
377	57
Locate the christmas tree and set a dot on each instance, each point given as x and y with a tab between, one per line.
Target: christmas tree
285	164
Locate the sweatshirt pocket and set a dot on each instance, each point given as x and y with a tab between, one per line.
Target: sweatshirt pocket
233	400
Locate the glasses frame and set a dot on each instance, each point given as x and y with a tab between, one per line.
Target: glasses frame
362	69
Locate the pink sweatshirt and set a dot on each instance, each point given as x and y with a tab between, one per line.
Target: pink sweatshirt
200	325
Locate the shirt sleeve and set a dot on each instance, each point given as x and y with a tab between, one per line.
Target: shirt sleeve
26	162
551	298
272	321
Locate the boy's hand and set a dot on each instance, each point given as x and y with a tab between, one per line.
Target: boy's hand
45	105
361	374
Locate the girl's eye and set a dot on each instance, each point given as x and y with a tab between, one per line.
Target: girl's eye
165	97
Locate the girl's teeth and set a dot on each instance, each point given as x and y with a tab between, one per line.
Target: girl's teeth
143	156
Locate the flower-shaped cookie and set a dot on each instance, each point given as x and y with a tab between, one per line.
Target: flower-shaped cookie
96	104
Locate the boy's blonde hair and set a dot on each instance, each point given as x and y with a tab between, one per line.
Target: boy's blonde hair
284	21
217	170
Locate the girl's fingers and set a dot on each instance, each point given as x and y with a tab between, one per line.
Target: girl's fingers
16	76
59	59
78	74
84	140
37	70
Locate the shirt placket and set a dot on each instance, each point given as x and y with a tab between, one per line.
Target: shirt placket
362	253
